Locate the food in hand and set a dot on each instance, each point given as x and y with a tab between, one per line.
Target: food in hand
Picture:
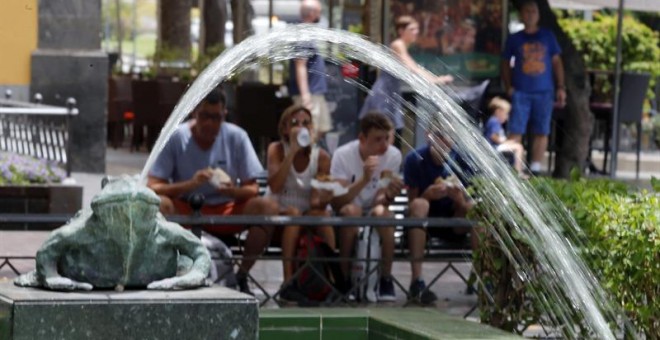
325	182
386	174
450	181
219	177
324	178
386	177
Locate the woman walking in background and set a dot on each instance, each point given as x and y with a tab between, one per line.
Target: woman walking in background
387	89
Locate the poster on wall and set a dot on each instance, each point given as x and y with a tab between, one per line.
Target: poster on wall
458	37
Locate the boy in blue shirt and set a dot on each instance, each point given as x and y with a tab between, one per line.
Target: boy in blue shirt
530	84
494	132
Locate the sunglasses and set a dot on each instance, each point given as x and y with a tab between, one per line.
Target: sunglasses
304	122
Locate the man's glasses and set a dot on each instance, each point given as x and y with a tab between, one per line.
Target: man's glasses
304	122
205	115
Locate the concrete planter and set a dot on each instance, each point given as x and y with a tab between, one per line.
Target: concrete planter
39	199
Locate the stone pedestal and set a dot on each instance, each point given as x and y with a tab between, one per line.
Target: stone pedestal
69	62
83	75
207	313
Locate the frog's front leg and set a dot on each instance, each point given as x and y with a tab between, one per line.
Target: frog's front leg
192	279
63	283
48	257
189	245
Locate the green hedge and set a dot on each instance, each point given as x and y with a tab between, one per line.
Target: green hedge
596	41
619	240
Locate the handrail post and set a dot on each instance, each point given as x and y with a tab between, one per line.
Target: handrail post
38	98
196	202
71	107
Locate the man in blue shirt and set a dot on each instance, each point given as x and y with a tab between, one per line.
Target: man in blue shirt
307	83
435	189
188	162
530	84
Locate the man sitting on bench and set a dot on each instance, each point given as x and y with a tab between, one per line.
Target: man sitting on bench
359	166
435	190
216	159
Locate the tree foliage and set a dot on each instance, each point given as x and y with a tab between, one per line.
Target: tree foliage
596	41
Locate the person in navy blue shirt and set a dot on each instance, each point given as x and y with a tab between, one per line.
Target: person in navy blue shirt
529	81
435	189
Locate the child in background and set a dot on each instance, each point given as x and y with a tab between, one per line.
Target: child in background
494	132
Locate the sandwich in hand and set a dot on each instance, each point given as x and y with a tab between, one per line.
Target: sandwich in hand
386	176
325	182
450	181
324	178
220	178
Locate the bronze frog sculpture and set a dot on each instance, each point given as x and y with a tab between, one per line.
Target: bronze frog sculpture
123	241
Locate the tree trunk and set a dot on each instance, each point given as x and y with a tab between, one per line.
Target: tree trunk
120	32
174	29
577	120
214	16
242	14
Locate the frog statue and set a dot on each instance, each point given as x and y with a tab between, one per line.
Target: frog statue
123	241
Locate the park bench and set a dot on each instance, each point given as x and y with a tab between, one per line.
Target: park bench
436	250
442	251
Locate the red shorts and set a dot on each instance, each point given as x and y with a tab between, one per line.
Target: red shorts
226	209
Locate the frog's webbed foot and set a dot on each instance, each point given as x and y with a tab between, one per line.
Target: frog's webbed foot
28	280
191	280
63	283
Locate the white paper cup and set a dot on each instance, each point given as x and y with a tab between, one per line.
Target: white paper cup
303	138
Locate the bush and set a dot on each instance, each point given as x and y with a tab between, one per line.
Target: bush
23	170
596	41
619	240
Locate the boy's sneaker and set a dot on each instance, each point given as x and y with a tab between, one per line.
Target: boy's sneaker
419	292
242	282
386	290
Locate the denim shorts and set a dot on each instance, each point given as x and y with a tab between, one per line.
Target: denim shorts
534	108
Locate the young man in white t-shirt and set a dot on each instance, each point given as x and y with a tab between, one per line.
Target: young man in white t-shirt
358	166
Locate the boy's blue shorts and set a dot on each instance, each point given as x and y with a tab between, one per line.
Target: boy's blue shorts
534	108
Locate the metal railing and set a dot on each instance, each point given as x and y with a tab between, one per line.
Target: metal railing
37	130
447	256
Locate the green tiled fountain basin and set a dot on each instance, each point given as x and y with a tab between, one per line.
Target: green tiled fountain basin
369	324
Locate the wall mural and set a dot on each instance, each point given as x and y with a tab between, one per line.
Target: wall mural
460	37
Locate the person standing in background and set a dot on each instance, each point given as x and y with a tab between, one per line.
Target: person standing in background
529	82
387	88
307	83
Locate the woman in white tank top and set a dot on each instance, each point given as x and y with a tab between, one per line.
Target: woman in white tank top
291	169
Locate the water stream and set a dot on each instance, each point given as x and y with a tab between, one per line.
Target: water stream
574	288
